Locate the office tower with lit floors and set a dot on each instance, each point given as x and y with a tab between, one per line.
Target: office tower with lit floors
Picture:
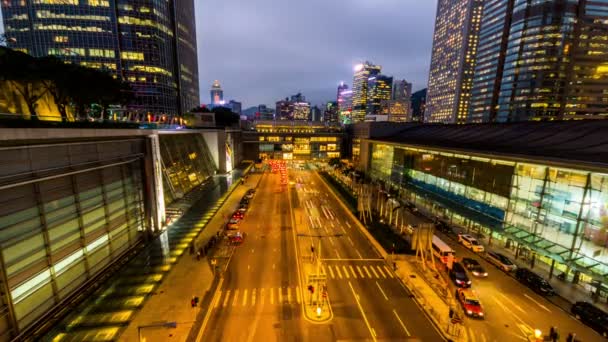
363	72
455	40
541	61
379	88
216	93
150	44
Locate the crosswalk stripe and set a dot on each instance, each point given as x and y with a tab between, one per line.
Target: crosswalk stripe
339	273
271	295
253	295
366	271
298	295
374	271
289	295
262	296
323	271
244	297
236	297
353	271
280	291
226	298
217	302
360	273
346	272
381	272
388	272
331	273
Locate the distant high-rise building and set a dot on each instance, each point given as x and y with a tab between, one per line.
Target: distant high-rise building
298	98
396	110
379	88
402	90
330	114
301	110
453	60
360	83
284	110
341	88
418	105
345	105
217	94
264	113
151	45
315	113
234	106
541	61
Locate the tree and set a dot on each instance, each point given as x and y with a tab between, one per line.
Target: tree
56	80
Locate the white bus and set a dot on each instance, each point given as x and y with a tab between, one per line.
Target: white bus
441	250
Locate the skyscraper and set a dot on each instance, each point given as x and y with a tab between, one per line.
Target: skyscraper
152	45
315	113
235	106
453	60
541	61
360	83
402	90
379	88
284	110
301	110
345	106
217	94
330	114
341	88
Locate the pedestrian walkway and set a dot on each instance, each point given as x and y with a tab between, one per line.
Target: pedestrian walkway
252	297
105	315
378	271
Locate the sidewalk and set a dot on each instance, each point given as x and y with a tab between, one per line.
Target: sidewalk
189	277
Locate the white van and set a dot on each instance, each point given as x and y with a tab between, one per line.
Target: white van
470	242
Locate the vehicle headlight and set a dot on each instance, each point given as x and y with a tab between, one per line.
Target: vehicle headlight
469	282
481	314
476	273
485	274
458	281
469	312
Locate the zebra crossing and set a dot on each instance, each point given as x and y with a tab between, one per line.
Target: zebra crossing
258	296
357	271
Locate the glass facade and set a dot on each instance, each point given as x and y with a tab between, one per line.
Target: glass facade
560	213
150	44
453	60
363	72
380	89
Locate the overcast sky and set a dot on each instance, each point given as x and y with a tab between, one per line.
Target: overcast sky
264	50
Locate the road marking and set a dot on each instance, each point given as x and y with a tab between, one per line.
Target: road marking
374	271
369	327
298	295
348	224
217	302
339	273
338	254
483	337
400	321
351	241
280	291
226	298
248	267
346	272
360	273
512	302
360	256
253	297
374	332
289	295
388	271
346	259
331	273
537	303
262	296
353	271
331	241
245	297
236	297
380	270
382	291
471	335
252	250
273	266
366	271
271	296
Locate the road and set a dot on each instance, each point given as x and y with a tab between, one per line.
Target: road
512	310
261	297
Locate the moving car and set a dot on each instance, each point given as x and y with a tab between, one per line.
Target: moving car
459	275
470	303
470	242
534	281
474	267
232	224
501	261
592	316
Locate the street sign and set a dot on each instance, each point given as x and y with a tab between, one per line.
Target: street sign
316	277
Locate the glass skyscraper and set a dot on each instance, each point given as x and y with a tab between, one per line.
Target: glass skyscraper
453	59
541	61
379	88
150	44
363	72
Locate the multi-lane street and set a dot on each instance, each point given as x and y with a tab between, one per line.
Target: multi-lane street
261	297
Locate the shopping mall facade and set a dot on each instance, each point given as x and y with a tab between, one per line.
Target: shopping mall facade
537	187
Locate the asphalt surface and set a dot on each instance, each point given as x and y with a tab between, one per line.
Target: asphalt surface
261	297
512	310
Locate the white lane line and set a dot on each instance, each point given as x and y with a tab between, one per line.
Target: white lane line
388	272
369	327
352	270
245	297
288	295
537	303
512	302
348	224
271	296
280	291
346	272
339	273
226	298
351	241
331	241
253	297
360	273
338	254
359	254
401	322
262	297
380	270
217	302
331	273
366	271
298	295
374	271
382	291
471	335
236	297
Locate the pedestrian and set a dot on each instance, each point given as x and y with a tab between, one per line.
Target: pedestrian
570	337
193	302
198	255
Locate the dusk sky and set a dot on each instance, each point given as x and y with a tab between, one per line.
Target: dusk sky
265	50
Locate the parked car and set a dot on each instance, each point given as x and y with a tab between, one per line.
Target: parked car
592	316
243	208
238	215
232	224
470	242
501	261
244	201
459	275
235	238
470	303
474	267
534	281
